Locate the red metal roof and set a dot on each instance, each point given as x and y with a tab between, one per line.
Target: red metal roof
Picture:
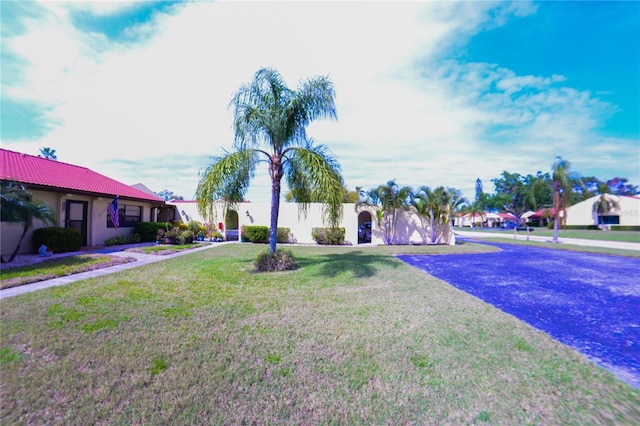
32	170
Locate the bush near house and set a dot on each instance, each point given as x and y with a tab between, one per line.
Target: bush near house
57	239
148	231
257	234
328	236
260	234
283	235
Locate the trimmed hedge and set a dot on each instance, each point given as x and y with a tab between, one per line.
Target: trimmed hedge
257	234
260	234
283	235
57	239
328	236
148	231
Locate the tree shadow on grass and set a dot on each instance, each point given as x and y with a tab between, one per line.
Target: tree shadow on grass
358	263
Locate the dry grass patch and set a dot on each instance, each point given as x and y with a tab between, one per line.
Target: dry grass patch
353	336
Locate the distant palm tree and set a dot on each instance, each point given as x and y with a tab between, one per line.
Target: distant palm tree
561	179
18	207
48	153
604	204
270	123
388	200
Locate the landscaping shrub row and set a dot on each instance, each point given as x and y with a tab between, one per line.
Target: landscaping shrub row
328	236
260	234
57	239
148	231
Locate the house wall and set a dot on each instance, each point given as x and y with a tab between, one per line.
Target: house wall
582	213
409	229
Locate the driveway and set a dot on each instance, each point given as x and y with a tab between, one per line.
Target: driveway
590	302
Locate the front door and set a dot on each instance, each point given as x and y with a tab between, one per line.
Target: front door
76	217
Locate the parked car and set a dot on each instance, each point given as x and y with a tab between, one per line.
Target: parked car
364	232
508	225
513	225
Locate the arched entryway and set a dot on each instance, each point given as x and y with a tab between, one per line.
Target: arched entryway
364	228
231	226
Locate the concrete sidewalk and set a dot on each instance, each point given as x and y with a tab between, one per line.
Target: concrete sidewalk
141	259
522	236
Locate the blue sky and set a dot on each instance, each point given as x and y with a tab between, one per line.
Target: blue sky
432	93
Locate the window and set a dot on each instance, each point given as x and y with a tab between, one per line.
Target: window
128	216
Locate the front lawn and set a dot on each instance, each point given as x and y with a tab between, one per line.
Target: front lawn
353	336
584	234
59	267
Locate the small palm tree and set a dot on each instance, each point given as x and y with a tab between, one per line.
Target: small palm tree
270	123
604	204
436	207
48	153
18	207
388	200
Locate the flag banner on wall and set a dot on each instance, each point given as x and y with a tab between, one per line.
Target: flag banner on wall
113	211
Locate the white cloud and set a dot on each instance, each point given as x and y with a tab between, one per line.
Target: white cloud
154	111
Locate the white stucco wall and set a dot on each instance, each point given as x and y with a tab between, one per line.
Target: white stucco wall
409	229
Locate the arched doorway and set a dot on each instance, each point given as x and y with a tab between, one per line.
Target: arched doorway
231	226
364	228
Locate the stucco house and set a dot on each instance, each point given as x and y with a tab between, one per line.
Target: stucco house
78	196
627	215
409	229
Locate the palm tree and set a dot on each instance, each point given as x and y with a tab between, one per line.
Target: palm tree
388	199
437	206
604	204
561	179
18	207
270	123
48	153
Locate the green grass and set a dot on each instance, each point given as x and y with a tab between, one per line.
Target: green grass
57	268
586	234
570	247
163	249
353	336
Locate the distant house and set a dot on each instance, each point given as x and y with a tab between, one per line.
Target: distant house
627	215
78	196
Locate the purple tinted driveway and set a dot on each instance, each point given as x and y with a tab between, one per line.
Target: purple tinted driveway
588	301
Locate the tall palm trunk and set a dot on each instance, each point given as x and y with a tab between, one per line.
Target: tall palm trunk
275	171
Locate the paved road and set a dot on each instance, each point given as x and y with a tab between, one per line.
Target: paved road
590	302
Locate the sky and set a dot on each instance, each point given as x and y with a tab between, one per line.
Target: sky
427	93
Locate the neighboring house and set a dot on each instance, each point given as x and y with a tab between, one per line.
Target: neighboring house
79	198
409	229
628	214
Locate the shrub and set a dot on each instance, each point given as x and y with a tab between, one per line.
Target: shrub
328	236
257	234
185	237
57	240
148	231
122	239
283	235
281	260
116	241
